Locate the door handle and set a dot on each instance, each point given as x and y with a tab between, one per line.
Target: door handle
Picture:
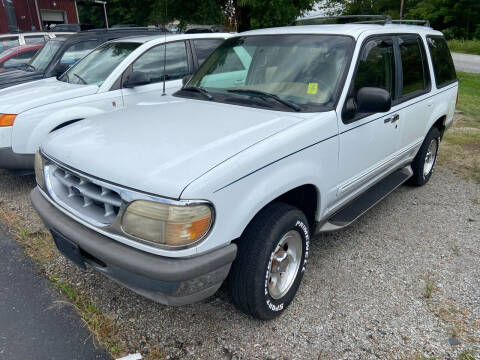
393	119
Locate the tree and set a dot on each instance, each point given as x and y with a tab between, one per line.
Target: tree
119	12
456	18
253	14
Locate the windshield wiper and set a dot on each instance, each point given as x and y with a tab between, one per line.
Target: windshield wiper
200	90
81	79
264	94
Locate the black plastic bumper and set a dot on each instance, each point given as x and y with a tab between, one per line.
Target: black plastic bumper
12	161
169	281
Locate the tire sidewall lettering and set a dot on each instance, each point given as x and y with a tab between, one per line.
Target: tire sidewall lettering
277	305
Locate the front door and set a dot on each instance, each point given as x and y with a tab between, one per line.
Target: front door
368	142
152	63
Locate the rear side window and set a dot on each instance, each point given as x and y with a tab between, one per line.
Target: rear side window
205	47
8	42
414	67
442	61
34	39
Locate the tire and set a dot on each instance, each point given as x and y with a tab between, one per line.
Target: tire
425	160
251	282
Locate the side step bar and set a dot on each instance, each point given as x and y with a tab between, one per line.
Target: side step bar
364	202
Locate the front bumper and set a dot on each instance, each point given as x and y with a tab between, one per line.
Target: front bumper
12	161
165	280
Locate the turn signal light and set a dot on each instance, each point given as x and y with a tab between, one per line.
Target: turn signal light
7	119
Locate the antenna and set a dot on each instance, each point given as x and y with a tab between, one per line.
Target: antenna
165	50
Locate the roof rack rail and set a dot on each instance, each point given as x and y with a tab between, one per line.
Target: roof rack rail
319	20
421	22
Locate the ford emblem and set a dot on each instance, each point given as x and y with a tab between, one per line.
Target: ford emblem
75	190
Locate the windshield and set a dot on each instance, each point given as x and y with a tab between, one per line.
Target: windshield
303	72
43	57
94	68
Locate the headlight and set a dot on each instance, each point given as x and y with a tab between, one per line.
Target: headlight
39	174
7	119
167	224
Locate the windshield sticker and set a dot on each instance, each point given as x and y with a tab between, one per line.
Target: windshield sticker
312	88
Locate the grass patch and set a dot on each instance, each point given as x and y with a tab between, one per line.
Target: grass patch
465	46
467	355
37	244
460	149
469	94
102	328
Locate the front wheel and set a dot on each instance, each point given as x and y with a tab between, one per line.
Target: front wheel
425	160
271	259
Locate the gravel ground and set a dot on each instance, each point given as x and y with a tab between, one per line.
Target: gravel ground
363	294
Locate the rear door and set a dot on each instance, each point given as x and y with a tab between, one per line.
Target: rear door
151	62
414	87
368	142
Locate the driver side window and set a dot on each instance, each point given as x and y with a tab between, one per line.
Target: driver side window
376	67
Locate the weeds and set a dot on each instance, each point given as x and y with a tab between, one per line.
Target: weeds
103	329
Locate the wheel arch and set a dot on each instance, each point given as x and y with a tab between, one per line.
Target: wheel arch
304	197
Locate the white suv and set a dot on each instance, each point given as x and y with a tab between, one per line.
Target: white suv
116	74
233	175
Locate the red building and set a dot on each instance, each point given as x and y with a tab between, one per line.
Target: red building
28	15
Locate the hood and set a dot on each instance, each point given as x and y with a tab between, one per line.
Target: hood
14	77
161	148
30	95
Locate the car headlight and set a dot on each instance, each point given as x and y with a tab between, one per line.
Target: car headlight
167	224
7	119
39	174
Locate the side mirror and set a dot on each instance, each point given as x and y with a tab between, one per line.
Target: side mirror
136	78
186	79
60	68
373	100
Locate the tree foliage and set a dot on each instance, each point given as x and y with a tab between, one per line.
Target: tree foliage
456	18
236	14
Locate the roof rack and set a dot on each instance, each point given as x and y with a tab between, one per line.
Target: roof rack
369	19
420	22
319	20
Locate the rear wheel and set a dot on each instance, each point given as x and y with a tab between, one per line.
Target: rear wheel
271	259
424	162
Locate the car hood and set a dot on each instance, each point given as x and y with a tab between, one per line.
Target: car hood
161	148
23	97
13	77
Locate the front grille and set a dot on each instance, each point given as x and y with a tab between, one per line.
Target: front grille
90	200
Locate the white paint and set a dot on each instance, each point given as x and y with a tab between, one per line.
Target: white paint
136	356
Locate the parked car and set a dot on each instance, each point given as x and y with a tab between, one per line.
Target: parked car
234	174
117	74
24	38
60	53
18	56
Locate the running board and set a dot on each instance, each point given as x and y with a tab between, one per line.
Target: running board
360	205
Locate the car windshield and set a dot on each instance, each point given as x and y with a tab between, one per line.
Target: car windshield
43	57
94	68
288	72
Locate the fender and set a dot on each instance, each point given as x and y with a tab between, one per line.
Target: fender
264	173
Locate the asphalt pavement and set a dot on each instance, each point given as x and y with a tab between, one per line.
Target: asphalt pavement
35	321
466	62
